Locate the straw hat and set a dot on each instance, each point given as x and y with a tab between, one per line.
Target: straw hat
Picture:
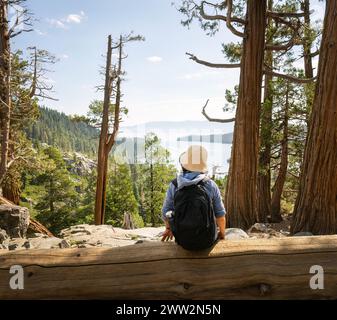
194	159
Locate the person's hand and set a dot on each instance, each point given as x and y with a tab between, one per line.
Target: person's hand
167	235
221	236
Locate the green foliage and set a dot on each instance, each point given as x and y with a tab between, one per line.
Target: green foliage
58	130
58	203
192	11
94	115
121	197
232	51
154	177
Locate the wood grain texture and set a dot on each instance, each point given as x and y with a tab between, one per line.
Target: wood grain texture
245	269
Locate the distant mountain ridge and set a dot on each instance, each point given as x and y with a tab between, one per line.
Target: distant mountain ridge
226	138
181	125
58	130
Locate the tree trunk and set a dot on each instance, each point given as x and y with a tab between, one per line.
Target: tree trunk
316	205
307	45
153	223
102	160
241	195
107	140
263	179
5	95
246	269
11	190
282	174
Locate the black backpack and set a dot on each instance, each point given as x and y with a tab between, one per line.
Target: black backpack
193	223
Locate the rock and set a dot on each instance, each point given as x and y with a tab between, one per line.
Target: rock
19	244
303	234
4	246
79	164
106	236
263	231
235	234
258	227
48	243
3	236
14	220
12	246
27	245
64	244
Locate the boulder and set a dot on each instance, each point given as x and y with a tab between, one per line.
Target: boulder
87	236
259	227
303	234
235	234
14	220
264	231
3	236
48	243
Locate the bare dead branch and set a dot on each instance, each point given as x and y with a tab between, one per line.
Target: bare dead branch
213	65
213	119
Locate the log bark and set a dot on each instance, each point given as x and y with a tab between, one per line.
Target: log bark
316	204
241	193
246	269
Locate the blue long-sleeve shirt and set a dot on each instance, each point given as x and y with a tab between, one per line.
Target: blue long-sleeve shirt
190	178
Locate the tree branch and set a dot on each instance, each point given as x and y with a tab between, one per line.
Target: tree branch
229	20
217	16
213	65
213	119
288	77
285	14
288	45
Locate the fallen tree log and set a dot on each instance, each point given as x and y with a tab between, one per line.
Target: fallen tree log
245	269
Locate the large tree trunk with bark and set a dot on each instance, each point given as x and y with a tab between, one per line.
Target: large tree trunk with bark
316	204
241	195
263	180
5	95
282	173
307	57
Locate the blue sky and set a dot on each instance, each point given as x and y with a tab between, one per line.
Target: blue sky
161	83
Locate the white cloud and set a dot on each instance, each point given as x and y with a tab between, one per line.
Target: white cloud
75	18
155	59
69	19
64	56
56	23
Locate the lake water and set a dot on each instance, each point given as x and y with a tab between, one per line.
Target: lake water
218	153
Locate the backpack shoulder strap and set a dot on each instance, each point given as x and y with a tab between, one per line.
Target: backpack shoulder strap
203	181
175	182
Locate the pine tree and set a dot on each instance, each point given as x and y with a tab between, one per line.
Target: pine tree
120	196
58	204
